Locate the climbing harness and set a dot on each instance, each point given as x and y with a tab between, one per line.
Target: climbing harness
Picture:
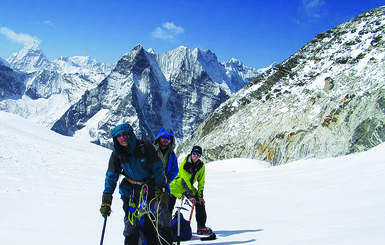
137	208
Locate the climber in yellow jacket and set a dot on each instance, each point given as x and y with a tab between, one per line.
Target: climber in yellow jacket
191	170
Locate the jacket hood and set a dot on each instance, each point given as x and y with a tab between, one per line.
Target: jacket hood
124	128
167	132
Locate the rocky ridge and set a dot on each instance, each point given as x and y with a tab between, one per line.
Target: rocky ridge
326	100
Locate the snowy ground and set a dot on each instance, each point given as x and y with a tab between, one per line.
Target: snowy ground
51	186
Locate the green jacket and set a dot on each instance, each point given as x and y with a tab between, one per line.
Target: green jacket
188	174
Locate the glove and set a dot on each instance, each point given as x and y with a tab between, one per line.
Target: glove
161	195
202	201
105	208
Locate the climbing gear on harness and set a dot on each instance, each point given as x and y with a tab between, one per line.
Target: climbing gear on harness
137	207
140	206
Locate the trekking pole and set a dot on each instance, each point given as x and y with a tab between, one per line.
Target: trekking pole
178	230
104	229
192	210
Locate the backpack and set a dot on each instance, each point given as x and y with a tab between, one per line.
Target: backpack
185	228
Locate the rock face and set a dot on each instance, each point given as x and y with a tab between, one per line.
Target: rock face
11	83
326	100
177	89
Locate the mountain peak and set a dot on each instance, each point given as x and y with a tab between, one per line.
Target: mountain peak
31	48
29	59
32	45
235	61
138	47
151	51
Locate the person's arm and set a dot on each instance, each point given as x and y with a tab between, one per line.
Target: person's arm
173	161
112	175
110	182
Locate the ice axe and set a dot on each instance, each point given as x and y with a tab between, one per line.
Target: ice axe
192	210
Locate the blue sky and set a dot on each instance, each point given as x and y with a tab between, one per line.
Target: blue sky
256	32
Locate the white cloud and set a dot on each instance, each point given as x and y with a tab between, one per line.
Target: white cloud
18	37
173	28
48	22
168	31
312	8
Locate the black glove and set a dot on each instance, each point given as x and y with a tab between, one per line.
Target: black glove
105	208
161	195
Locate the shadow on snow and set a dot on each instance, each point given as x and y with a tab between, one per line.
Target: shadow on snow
227	234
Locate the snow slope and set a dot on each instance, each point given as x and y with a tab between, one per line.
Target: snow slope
51	185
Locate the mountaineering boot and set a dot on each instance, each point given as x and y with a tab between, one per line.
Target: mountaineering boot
204	231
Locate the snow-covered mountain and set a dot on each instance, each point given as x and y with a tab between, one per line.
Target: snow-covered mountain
326	100
176	89
30	59
41	90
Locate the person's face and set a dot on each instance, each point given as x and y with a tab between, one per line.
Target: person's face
123	139
165	141
195	156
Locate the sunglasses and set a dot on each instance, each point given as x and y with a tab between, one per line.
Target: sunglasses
197	154
122	135
166	137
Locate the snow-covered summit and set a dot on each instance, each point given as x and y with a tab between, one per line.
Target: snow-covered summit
176	89
81	64
42	90
151	51
205	60
29	59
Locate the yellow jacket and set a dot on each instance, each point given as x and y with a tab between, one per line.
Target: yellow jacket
188	174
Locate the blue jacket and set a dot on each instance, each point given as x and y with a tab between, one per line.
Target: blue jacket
169	159
139	162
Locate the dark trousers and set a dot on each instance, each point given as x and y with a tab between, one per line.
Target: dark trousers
200	211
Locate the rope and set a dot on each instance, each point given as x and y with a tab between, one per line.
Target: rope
155	221
135	211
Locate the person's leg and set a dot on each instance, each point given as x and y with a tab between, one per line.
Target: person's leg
149	231
132	239
164	225
165	235
171	203
131	232
200	214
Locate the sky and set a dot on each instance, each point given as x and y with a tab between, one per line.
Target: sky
51	187
258	33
